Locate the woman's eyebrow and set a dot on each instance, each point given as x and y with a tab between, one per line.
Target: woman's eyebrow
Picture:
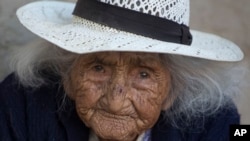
105	60
145	61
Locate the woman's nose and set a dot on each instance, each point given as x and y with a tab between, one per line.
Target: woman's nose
116	94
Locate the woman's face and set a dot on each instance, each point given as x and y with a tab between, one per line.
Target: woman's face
118	95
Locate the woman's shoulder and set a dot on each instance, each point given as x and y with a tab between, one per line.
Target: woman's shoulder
12	109
202	128
24	110
11	92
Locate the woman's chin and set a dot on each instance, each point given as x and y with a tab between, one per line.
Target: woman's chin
112	128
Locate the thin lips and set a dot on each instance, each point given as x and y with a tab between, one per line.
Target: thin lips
117	116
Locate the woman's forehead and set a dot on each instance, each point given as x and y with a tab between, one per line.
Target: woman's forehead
123	57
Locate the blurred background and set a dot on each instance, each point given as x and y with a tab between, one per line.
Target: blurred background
227	18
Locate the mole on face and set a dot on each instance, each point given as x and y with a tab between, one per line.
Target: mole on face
118	95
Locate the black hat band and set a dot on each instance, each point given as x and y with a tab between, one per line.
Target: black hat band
133	21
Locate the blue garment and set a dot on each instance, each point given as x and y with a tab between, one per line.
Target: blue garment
28	114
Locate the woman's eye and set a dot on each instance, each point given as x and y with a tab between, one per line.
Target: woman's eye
144	75
98	68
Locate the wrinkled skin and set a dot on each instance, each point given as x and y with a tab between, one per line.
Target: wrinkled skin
118	95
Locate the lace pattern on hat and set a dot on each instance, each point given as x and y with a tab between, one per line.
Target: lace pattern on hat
174	10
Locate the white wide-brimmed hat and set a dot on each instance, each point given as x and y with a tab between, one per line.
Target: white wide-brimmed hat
154	26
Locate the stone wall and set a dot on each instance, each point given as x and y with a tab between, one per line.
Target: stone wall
227	18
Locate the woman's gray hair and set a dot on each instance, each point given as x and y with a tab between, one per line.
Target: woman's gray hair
199	87
28	62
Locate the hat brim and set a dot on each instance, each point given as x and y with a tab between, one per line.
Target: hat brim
53	21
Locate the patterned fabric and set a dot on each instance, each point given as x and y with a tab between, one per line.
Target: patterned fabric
174	10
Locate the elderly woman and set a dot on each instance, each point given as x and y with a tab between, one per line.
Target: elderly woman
119	70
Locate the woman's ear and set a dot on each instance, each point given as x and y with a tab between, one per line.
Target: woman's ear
68	88
167	103
169	98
